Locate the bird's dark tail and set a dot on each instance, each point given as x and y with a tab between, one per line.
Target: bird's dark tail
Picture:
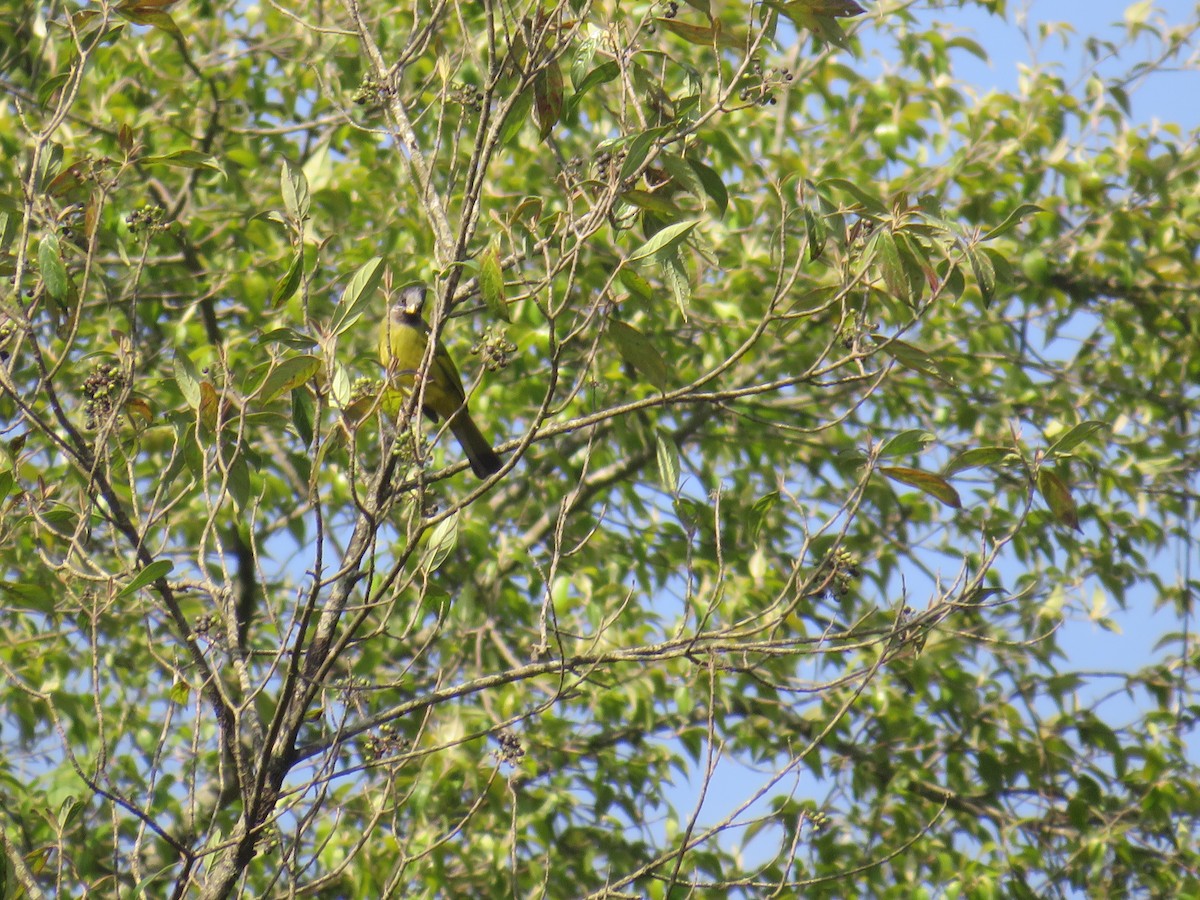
484	460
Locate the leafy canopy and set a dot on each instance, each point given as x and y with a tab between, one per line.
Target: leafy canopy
832	394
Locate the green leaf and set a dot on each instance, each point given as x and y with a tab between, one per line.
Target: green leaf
28	595
977	457
965	43
288	375
906	443
289	338
491	283
637	350
913	358
713	185
888	258
50	86
635	283
54	273
185	159
712	35
294	185
1076	436
868	202
914	261
602	74
239	482
1013	219
442	541
151	573
639	149
340	387
675	274
187	378
761	509
667	237
1058	497
683	174
667	455
817	233
303	413
581	64
985	274
824	29
357	295
155	18
517	118
547	98
833	8
287	286
934	485
318	168
654	202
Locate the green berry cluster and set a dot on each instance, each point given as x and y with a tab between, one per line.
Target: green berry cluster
466	95
762	84
101	388
388	743
373	93
510	750
494	349
146	220
364	387
844	567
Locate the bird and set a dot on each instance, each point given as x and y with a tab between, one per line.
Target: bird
402	343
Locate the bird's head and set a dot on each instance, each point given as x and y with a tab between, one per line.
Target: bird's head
412	300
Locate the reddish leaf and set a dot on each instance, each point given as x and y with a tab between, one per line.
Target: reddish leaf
547	99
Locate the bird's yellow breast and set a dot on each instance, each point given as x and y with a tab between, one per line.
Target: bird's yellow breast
402	350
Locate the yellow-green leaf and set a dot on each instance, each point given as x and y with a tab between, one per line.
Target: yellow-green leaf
913	358
148	575
1058	497
1076	436
906	443
491	283
668	461
442	540
934	485
637	350
188	379
888	257
636	284
294	187
143	14
185	159
654	202
288	285
358	294
713	35
289	374
667	237
54	273
976	458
